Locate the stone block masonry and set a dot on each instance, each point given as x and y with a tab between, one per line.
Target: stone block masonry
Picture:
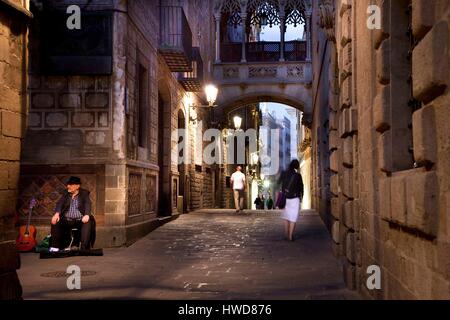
390	186
113	130
13	108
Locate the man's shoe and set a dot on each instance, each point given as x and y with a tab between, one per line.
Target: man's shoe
52	249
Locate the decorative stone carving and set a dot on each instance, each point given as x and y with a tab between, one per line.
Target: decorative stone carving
296	12
42	100
271	11
97	100
262	72
231	73
103	120
56	119
150	199
134	194
233	8
83	119
34	119
70	100
264	9
296	72
326	19
95	137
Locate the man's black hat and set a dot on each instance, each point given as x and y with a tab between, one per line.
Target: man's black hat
74	180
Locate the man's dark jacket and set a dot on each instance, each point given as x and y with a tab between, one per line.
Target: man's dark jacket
84	206
84	203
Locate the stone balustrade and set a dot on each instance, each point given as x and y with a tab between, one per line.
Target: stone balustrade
263	73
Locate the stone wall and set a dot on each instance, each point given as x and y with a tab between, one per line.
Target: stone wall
324	99
13	107
344	151
93	127
388	144
69	132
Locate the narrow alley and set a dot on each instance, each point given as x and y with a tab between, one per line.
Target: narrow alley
210	254
145	129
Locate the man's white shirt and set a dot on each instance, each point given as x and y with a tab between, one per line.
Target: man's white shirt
238	179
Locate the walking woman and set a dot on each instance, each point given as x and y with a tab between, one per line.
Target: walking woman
292	187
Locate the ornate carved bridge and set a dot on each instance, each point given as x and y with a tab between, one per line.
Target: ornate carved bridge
249	70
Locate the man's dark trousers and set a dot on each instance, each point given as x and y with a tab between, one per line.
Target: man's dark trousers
61	233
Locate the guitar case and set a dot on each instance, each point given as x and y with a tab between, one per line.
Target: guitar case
71	253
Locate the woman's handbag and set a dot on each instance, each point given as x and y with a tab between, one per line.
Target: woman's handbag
281	198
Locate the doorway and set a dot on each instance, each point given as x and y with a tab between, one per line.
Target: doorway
164	203
182	190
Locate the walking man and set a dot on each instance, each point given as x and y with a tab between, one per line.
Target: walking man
238	187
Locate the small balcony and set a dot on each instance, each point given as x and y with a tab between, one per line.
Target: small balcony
192	81
264	51
175	39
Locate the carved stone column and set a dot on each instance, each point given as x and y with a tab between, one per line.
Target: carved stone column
244	36
282	33
218	17
308	36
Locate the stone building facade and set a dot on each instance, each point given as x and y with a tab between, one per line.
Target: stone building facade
109	117
14	18
381	141
104	105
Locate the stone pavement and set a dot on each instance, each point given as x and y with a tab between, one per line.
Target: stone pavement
210	254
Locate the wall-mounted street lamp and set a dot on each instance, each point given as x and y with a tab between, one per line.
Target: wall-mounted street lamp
237	122
211	92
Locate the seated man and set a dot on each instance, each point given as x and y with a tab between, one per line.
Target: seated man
73	210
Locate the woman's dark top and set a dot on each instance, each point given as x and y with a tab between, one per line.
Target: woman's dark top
292	184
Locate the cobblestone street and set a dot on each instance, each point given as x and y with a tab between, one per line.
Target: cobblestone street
213	254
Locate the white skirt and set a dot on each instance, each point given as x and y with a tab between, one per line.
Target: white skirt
291	210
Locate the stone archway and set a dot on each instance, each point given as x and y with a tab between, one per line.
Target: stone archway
231	106
229	102
237	102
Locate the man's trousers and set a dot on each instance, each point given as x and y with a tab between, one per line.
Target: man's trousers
61	233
